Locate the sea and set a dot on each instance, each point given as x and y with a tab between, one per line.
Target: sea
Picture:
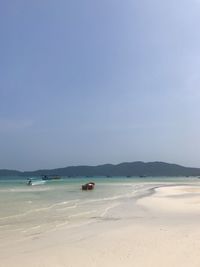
55	204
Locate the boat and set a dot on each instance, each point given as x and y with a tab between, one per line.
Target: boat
33	181
50	177
88	186
29	182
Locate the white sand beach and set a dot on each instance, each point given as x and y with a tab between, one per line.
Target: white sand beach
161	230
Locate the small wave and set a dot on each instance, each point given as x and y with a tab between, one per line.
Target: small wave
109	208
24	190
70	207
31	229
82	213
13	230
37	210
62	224
109	198
38	183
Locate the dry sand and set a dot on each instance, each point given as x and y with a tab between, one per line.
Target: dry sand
163	232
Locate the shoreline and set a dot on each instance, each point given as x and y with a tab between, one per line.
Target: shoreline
149	233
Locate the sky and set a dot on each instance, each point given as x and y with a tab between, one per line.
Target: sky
86	82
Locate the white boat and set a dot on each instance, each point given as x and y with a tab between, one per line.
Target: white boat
35	182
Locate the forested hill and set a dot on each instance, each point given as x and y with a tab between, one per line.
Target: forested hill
123	169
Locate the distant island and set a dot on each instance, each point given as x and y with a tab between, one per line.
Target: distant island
128	169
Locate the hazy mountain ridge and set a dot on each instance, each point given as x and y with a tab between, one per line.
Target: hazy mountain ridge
137	168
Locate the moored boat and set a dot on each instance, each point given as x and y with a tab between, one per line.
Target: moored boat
50	177
88	186
34	181
29	182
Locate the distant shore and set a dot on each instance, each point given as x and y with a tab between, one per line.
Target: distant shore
126	169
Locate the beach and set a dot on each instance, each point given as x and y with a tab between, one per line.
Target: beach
156	224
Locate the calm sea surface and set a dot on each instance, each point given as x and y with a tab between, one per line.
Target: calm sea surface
42	207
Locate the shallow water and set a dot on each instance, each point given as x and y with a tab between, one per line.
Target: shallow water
30	210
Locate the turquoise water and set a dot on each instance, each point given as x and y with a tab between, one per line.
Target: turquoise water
28	210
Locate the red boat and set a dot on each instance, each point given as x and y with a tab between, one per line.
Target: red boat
88	186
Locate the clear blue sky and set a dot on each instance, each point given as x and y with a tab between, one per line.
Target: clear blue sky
105	81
